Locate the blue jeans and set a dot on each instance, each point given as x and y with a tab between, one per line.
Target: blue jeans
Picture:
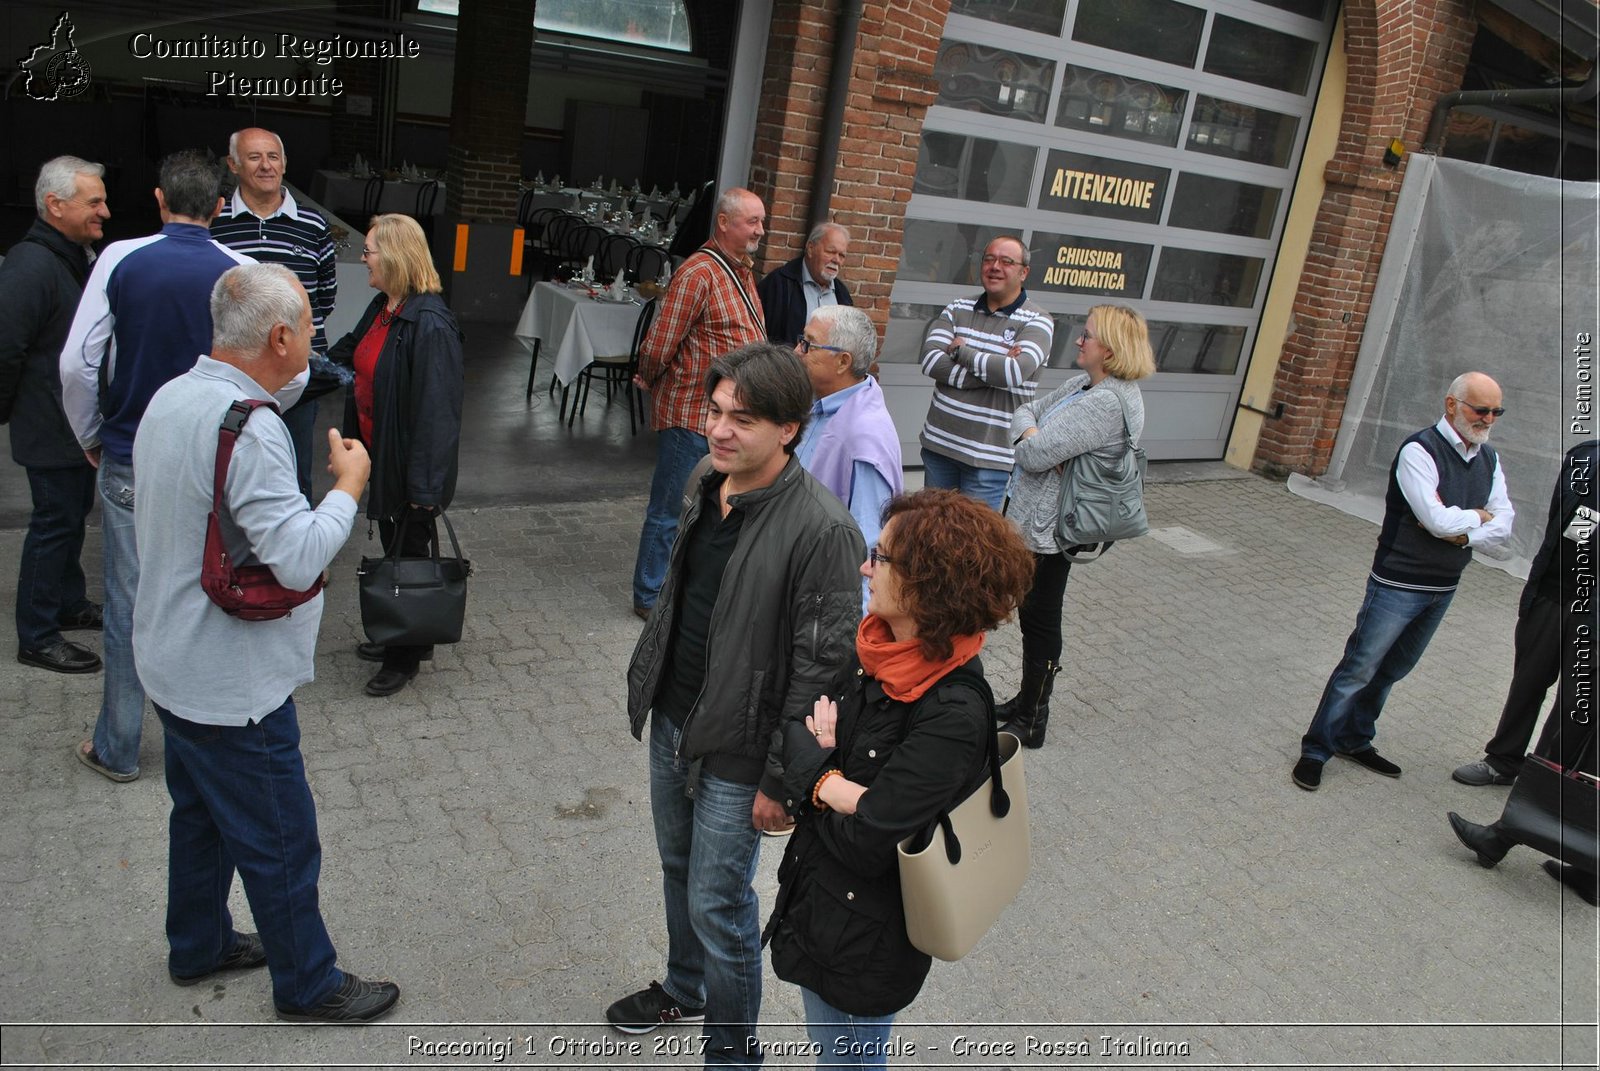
986	485
240	800
50	581
301	421
859	1041
708	852
678	451
1392	630
116	733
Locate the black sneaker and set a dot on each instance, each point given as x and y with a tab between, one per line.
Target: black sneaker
356	1000
247	953
644	1011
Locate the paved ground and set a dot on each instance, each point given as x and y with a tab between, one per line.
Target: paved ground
487	840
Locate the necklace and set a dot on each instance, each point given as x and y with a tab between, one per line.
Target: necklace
386	315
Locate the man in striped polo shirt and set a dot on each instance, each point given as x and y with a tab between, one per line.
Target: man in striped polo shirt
983	355
265	222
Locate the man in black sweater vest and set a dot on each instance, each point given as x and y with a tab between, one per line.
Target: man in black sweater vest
1447	496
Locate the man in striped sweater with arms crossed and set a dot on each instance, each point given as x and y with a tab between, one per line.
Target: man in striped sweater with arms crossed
983	355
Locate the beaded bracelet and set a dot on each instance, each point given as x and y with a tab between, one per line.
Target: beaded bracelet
816	793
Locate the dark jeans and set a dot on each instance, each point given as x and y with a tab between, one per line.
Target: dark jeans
1536	666
417	539
1040	613
240	801
50	582
302	422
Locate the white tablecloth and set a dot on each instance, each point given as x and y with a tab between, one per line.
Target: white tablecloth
573	328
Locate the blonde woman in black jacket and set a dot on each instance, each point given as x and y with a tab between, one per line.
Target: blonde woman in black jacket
899	739
405	405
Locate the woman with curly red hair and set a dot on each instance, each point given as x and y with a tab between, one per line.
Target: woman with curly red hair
900	738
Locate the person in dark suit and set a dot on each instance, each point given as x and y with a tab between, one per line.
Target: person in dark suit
793	292
1537	646
40	284
1563	570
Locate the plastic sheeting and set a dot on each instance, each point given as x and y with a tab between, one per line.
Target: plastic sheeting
1486	270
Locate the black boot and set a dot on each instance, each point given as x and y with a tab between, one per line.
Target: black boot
1025	716
1487	841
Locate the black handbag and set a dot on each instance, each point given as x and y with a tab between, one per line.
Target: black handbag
1555	811
414	602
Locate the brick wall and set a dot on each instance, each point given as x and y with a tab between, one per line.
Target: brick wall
1403	56
891	86
488	110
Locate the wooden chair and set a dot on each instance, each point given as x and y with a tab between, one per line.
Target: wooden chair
371	201
645	262
615	249
617	372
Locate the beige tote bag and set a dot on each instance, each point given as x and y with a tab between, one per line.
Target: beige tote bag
955	889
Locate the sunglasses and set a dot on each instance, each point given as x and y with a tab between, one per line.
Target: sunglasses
1483	410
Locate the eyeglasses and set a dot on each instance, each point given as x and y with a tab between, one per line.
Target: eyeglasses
804	345
990	259
877	558
1483	410
365	253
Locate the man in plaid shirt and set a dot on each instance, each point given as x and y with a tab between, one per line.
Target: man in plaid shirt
710	308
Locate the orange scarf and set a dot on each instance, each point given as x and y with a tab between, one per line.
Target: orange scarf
900	666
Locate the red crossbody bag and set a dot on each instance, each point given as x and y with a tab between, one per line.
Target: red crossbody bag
251	592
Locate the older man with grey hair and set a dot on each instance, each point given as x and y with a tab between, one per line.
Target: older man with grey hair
790	294
40	284
1446	498
850	443
223	686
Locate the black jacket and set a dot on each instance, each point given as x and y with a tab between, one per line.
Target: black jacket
784	621
40	284
783	298
1576	485
416	405
838	926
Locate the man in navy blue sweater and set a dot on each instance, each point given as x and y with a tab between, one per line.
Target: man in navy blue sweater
1447	497
144	319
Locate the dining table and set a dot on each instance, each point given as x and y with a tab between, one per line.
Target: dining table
575	325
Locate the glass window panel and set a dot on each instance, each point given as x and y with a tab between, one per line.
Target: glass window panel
1261	56
1074	264
938	252
994	81
1205	349
908	326
657	23
1202	278
1156	29
1517	149
1240	132
974	169
1121	107
1223	205
1041	16
1311	9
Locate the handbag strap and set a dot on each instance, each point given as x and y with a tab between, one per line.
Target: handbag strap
233	422
999	799
406	518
